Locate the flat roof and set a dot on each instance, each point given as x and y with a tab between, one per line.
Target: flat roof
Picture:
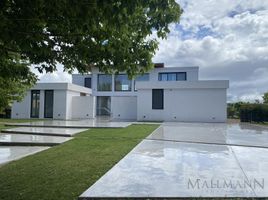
61	86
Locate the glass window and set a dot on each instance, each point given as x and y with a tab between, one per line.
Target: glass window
157	99
104	82
49	98
181	76
87	82
172	76
144	77
122	83
35	103
163	77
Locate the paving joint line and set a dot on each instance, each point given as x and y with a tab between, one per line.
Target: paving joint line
240	166
192	142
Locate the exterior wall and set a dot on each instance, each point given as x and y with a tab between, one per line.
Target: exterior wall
192	75
62	103
124	107
22	110
83	107
185	105
59	103
79	79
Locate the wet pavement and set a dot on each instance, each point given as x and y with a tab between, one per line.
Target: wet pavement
191	160
10	153
231	134
67	132
31	140
90	123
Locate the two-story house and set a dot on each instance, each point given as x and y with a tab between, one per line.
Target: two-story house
162	94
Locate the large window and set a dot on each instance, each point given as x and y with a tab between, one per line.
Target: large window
49	98
144	77
87	82
122	83
35	103
172	76
158	99
104	82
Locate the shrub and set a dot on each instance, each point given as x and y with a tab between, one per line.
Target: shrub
254	113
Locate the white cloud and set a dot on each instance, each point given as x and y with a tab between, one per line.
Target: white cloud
227	39
57	76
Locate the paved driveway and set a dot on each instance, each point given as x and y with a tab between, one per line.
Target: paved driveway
191	160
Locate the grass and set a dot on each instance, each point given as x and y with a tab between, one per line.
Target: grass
261	123
5	120
65	171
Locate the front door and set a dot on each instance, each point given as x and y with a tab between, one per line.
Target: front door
48	109
35	103
103	105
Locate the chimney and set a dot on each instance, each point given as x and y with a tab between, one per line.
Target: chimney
158	65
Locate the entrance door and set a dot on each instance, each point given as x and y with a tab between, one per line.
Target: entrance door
48	110
35	103
103	106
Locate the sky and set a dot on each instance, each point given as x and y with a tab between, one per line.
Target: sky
227	39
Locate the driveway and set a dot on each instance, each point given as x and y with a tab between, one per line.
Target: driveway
191	160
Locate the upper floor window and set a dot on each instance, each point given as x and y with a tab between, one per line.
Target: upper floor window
122	83
172	76
87	82
104	82
144	77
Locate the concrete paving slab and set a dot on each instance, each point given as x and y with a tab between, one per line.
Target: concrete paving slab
10	153
213	133
191	132
91	123
168	169
254	162
66	132
32	140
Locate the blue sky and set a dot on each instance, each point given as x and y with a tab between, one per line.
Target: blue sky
227	39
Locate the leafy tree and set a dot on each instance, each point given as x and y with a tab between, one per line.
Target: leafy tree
114	35
15	79
265	97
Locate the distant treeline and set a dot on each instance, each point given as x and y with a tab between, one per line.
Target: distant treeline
249	112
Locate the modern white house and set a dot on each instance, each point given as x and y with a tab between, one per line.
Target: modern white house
162	94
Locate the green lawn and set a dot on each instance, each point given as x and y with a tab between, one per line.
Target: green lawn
65	171
5	120
262	123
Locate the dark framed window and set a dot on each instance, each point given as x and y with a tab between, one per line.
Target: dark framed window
87	82
104	82
172	76
122	83
35	103
144	77
158	99
49	98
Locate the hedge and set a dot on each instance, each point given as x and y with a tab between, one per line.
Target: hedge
254	113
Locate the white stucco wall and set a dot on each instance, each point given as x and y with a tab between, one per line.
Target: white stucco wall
83	107
62	103
59	105
124	107
22	110
185	105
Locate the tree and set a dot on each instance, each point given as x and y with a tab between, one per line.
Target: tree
265	97
15	79
114	35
